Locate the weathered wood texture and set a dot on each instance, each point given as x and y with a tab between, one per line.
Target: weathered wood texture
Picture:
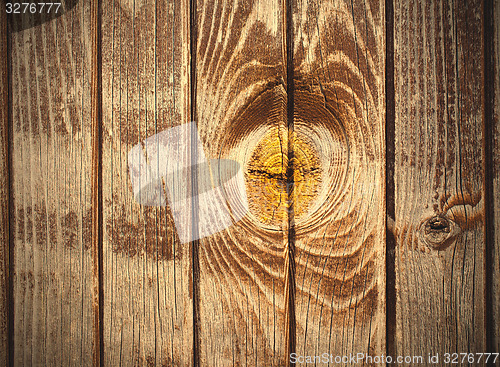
147	278
4	190
439	177
51	143
339	105
255	64
495	260
241	115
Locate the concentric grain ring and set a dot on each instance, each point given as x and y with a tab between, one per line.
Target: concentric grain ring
259	138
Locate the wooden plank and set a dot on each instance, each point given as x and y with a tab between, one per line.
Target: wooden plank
4	191
147	279
439	178
495	160
339	150
241	115
52	279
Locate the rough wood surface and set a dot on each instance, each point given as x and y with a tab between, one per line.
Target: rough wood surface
241	115
147	279
439	178
4	191
304	270
52	279
339	201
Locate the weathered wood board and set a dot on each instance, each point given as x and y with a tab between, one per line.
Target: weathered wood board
439	178
147	279
292	90
339	109
51	150
4	190
241	115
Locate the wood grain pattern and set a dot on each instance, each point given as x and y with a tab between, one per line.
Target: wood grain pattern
439	177
4	191
53	276
339	111
147	278
241	115
495	260
250	296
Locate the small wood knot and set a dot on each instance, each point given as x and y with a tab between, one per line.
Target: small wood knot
438	232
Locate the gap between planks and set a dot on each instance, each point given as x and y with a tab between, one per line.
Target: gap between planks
488	161
390	131
193	34
7	252
96	188
290	334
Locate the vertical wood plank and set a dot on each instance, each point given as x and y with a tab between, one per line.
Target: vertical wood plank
439	178
495	160
241	115
4	191
339	110
53	277
145	80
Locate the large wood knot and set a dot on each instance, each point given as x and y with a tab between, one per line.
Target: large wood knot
320	151
438	232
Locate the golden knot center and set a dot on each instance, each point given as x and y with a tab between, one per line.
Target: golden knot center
273	187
